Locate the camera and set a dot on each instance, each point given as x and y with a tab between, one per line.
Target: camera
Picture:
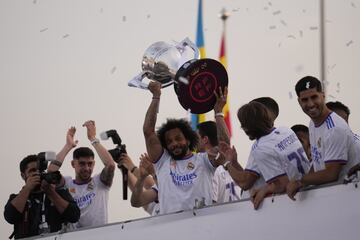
119	149
116	153
42	163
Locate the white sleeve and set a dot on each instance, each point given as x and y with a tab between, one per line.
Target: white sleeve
216	185
336	145
160	162
251	165
269	166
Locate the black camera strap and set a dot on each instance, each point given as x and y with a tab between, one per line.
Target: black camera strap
124	172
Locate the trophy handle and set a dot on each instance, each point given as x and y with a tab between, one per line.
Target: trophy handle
137	81
188	42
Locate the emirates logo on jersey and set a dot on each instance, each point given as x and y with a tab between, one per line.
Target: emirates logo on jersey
72	190
190	166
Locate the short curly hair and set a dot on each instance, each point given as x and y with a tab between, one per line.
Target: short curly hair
184	127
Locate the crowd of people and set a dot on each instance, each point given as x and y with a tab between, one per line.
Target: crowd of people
184	169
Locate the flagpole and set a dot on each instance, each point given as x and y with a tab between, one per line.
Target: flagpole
224	15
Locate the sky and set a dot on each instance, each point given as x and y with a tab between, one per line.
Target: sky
64	62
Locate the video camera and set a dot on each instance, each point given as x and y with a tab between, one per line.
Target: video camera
116	153
42	163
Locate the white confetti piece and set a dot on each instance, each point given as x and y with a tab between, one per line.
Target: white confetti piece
235	9
333	66
313	28
279	45
291	36
283	23
349	43
266	8
301	33
148	16
270	4
290	95
124	18
66	35
44	29
272	27
34	2
113	70
277	12
353	5
101	10
304	10
331	96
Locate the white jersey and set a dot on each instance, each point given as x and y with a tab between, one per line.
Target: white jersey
92	199
333	141
276	154
153	208
224	187
183	183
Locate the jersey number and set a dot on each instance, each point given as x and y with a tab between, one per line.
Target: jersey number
298	156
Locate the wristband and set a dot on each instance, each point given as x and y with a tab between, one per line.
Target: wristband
156	98
95	141
133	169
219	114
225	165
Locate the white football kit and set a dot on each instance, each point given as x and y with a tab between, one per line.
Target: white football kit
333	141
224	187
184	183
277	154
92	199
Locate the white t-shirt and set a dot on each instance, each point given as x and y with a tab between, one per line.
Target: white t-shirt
276	154
92	199
224	187
183	182
333	141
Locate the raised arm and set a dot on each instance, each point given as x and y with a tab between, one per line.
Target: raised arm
153	144
69	145
107	173
140	196
222	130
243	178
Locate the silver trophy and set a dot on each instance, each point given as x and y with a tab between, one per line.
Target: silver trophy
161	62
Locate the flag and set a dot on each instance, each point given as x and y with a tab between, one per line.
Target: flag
198	118
222	59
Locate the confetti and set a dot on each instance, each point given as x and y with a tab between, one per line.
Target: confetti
290	95
291	36
148	16
353	5
270	4
113	70
43	30
34	2
349	43
283	23
304	10
101	10
277	12
279	45
301	33
66	35
124	18
331	96
235	9
313	28
333	66
266	8
272	27
299	68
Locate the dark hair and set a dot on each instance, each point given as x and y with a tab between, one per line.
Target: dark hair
208	129
28	159
270	103
254	117
300	128
184	127
338	105
306	83
83	152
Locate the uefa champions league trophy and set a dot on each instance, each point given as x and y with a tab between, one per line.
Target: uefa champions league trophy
194	79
